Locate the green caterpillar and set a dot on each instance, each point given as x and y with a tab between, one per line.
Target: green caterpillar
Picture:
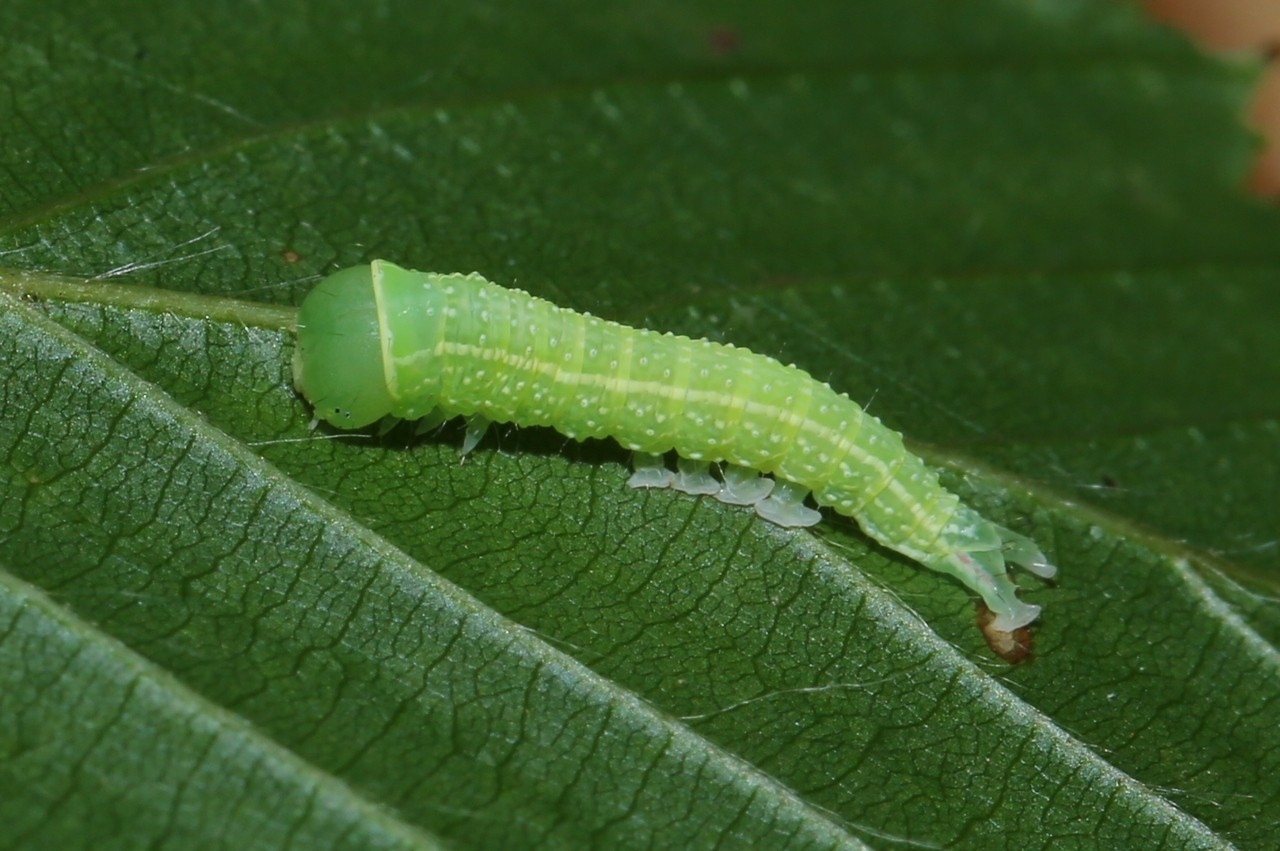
378	340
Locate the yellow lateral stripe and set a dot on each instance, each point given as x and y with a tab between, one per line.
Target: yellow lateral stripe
610	383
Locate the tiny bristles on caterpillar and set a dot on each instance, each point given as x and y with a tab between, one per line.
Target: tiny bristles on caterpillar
380	341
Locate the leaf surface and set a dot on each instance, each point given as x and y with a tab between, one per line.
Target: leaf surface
1016	235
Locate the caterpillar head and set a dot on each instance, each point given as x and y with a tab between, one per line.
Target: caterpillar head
337	365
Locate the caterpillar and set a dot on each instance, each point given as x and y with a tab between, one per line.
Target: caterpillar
379	341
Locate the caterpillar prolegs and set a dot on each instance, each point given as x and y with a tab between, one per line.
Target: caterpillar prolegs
378	340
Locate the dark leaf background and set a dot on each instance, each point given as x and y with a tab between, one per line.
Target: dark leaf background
1013	230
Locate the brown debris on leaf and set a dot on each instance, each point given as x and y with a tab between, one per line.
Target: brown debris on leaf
1013	647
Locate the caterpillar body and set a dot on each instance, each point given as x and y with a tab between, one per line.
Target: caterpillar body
378	340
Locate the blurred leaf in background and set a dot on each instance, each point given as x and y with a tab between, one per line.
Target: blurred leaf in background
1014	230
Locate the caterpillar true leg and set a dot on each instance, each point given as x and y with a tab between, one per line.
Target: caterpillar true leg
477	425
433	420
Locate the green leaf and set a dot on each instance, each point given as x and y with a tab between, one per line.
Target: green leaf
1014	230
